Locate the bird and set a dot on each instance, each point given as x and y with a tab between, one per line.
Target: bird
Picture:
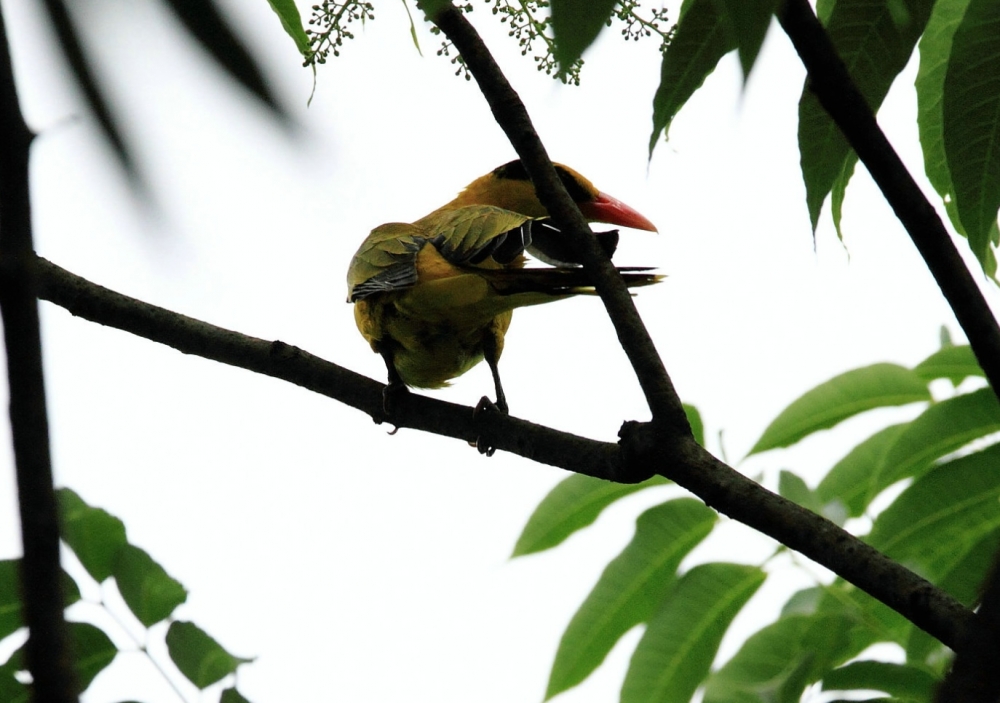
435	297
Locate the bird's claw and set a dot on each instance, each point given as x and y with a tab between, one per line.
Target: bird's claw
485	405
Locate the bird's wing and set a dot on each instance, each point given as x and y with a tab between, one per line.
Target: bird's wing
385	261
477	235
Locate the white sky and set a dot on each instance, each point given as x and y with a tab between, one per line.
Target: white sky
366	567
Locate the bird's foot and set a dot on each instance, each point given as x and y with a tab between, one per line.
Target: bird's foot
485	405
392	395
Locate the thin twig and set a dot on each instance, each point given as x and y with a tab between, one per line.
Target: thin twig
48	655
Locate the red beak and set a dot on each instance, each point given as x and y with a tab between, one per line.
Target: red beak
613	211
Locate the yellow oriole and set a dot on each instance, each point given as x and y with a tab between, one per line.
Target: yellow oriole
435	297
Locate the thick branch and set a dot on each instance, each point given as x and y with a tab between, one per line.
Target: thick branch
642	452
836	91
511	115
48	656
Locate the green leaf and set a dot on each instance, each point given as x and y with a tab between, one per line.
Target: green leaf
291	21
149	592
894	679
93	534
854	480
10	595
12	690
199	657
747	21
939	519
875	46
956	363
572	505
846	395
971	121
700	41
942	428
575	26
776	663
824	8
231	695
697	426
93	649
792	486
209	27
963	581
631	587
935	50
682	639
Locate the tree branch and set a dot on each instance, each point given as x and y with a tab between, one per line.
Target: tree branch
642	452
973	677
48	655
511	115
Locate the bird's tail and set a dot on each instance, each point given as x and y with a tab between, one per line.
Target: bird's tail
561	282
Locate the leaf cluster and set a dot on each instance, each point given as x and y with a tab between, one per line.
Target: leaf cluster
99	541
958	105
944	525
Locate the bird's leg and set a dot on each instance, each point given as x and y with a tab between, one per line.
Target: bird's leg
395	388
491	352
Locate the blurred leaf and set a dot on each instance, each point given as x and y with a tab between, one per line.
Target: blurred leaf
942	428
630	589
955	363
213	33
846	395
93	534
291	21
93	649
700	41
777	662
231	695
575	26
73	51
10	595
792	486
697	426
573	504
199	657
12	690
875	47
854	480
939	519
682	639
149	591
894	679
971	121
747	21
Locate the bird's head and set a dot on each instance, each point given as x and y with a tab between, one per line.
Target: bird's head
509	187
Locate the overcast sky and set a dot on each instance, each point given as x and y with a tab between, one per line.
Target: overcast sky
366	567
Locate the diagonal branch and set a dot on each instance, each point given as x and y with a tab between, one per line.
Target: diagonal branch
47	652
511	115
830	80
642	452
